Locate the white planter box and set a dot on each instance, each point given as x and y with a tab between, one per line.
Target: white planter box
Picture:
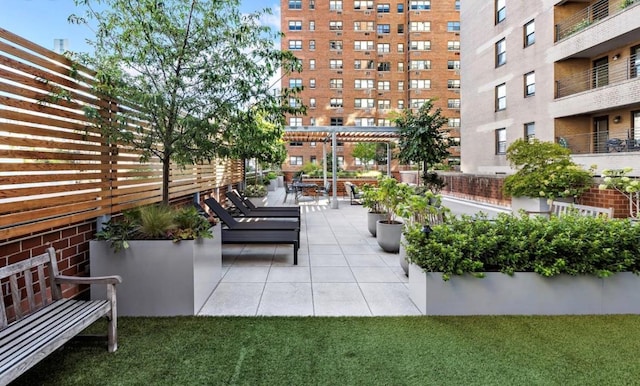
524	293
258	201
280	181
273	184
530	205
160	277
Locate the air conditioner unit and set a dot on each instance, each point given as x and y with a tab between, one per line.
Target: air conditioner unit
339	72
338	52
368	73
339	12
367	12
367	34
417	72
416	92
380	16
380	55
380	94
367	110
338	33
339	92
367	53
416	13
380	37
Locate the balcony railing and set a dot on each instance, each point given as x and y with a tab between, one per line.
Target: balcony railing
613	141
599	76
589	15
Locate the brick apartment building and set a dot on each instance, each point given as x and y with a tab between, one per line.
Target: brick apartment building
364	60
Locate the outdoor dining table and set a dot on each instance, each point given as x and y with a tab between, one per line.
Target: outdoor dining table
300	187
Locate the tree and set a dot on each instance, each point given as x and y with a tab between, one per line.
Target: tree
198	71
422	140
365	152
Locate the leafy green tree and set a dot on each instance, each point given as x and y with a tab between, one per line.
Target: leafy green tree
422	139
199	72
365	151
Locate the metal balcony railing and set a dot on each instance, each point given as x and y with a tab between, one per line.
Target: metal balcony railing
599	76
589	15
611	141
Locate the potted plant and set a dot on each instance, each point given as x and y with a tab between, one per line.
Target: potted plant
545	172
271	181
629	187
371	200
256	194
391	194
169	259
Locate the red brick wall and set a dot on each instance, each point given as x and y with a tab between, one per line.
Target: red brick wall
608	198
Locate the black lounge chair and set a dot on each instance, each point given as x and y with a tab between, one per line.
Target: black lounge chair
276	211
256	232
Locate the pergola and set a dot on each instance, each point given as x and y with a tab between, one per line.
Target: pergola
335	134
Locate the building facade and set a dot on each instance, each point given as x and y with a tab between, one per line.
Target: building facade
364	60
562	70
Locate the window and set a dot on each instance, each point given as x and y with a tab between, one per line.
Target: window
363	103
383	28
384	122
401	104
365	122
501	52
295	121
335	83
312	25
312	44
453	103
529	33
312	144
312	103
400	66
335	64
335	5
417	5
295	144
384	47
295	4
383	8
529	84
340	161
295	82
295	160
420	26
500	10
400	47
400	28
501	141
293	102
384	85
501	97
363	83
295	44
295	25
457	5
384	66
312	121
400	85
335	102
529	131
358	162
312	83
453	122
453	64
363	26
336	121
453	84
417	103
384	104
335	26
335	44
363	45
420	84
363	4
453	26
420	45
420	64
453	45
312	4
313	159
400	8
312	64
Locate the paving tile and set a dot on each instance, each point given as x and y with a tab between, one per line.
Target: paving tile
245	274
370	260
320	260
332	275
388	299
289	275
240	299
286	299
339	299
329	249
374	275
357	249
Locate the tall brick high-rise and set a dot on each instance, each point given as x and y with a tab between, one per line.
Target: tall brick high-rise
363	60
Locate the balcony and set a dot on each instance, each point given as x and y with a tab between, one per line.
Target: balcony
586	17
619	140
599	76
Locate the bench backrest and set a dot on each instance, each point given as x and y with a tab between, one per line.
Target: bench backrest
29	275
559	208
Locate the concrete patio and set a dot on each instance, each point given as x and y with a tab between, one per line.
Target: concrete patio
341	269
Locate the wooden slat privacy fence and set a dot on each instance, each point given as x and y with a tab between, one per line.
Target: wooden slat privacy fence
56	168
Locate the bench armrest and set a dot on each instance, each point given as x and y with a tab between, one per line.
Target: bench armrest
115	279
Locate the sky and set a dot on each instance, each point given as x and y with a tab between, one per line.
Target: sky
41	21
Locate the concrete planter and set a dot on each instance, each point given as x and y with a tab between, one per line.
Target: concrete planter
534	205
258	201
273	184
372	219
280	181
160	277
402	256
524	293
388	236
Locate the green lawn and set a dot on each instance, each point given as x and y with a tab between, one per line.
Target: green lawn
567	350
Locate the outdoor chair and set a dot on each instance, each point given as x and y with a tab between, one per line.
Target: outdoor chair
263	211
326	190
247	202
354	194
288	189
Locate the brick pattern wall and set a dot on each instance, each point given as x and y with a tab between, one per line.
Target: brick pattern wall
608	198
483	188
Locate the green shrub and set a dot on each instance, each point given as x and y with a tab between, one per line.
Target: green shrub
255	191
570	244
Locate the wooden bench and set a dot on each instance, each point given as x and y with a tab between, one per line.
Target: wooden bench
27	337
559	208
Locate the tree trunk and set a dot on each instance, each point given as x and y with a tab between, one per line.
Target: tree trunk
166	167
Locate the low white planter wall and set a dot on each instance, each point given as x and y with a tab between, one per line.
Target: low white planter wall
524	293
160	277
258	201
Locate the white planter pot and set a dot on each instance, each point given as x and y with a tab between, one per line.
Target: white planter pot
372	219
388	236
280	181
258	201
524	293
533	205
160	277
273	184
402	256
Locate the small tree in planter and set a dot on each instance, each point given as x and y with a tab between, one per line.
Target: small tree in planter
391	194
371	200
629	187
365	152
